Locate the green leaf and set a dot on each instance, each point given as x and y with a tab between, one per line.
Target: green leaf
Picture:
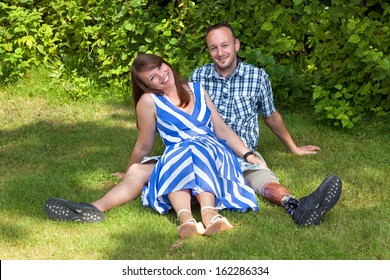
346	123
384	63
267	26
130	27
351	25
330	116
354	39
41	49
173	41
18	51
308	10
316	94
348	95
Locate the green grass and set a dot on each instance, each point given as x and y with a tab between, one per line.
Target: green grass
51	146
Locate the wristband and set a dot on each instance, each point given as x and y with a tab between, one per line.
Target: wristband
247	155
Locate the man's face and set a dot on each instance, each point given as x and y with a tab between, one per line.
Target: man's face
223	48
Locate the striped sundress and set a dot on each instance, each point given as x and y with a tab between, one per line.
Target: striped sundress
194	158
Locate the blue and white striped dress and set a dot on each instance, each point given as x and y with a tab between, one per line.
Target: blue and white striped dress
194	158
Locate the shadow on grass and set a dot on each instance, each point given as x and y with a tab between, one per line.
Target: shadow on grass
48	159
250	239
77	161
345	234
354	229
13	232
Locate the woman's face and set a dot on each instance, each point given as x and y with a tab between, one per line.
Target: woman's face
158	78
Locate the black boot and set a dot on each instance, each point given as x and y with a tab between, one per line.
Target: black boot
311	208
64	210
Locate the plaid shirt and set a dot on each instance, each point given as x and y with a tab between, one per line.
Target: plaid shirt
239	98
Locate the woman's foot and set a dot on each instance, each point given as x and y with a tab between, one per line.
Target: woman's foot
214	221
188	226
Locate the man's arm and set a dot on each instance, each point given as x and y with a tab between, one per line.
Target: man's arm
276	124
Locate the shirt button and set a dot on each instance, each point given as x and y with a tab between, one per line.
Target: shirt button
224	93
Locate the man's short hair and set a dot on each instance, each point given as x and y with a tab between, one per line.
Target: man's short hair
220	25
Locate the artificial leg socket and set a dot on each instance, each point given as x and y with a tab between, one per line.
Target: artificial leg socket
274	192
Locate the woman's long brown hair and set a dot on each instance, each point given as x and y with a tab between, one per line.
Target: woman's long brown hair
145	62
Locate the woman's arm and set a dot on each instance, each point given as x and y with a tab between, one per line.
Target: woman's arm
146	119
222	131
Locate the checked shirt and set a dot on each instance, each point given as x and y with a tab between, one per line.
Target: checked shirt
239	98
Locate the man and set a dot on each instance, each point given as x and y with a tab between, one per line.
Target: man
240	92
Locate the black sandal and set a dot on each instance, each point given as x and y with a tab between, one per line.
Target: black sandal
64	210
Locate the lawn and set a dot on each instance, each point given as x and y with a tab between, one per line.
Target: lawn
51	146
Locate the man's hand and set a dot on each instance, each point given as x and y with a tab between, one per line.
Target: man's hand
253	159
120	175
276	124
306	150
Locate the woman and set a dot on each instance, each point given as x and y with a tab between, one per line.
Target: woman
195	162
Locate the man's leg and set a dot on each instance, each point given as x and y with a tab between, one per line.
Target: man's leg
265	183
127	190
307	211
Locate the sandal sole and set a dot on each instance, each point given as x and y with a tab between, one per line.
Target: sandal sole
188	230
217	226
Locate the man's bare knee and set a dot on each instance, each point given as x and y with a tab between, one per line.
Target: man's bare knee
139	172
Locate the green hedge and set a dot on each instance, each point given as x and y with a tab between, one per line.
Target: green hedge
330	54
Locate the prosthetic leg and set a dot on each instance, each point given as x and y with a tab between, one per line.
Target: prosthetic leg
309	209
278	194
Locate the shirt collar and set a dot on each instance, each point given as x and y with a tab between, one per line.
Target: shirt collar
238	71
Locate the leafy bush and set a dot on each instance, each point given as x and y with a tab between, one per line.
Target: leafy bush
330	54
26	40
349	62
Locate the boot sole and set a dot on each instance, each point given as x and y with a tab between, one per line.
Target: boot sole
330	192
64	210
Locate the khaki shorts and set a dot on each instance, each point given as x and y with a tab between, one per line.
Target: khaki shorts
257	176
